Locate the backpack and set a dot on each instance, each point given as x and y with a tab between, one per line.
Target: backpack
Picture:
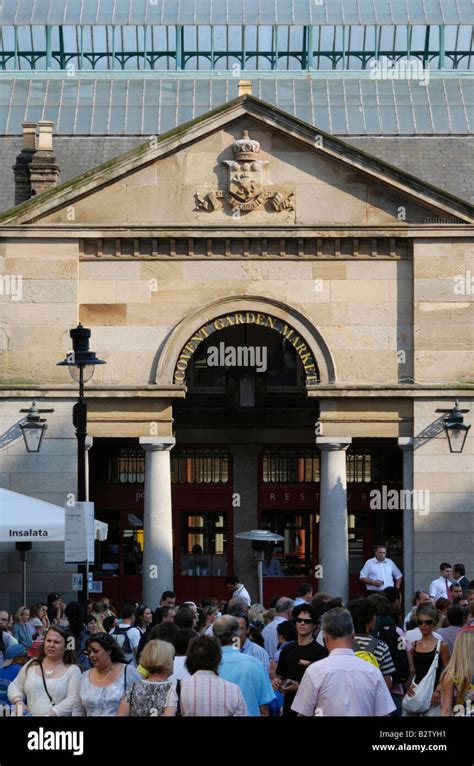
122	639
366	653
388	633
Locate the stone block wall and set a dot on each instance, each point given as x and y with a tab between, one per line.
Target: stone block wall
49	475
446	532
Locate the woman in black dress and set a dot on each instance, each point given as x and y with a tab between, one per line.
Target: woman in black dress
422	654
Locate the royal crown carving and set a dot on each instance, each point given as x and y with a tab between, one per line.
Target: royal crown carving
248	187
245	148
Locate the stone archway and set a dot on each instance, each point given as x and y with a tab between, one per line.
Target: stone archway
184	331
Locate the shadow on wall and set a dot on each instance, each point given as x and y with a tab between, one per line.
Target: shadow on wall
431	431
10	436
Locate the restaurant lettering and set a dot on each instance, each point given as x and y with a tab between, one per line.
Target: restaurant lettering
245	318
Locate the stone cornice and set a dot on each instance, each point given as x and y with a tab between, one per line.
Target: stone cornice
330	391
91	231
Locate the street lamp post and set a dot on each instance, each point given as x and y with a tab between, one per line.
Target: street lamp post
81	363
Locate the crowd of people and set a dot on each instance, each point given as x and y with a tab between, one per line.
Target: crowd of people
308	655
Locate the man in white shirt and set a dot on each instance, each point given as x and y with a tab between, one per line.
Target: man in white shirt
305	594
342	684
237	589
283	611
380	572
439	588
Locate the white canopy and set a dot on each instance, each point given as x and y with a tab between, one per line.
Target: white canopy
27	519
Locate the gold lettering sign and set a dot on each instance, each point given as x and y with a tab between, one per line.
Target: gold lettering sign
248	317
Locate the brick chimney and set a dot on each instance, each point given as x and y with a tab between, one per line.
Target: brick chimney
44	169
21	169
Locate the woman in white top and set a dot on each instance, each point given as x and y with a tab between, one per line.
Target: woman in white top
103	686
49	682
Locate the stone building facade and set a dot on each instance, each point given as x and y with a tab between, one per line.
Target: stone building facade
245	226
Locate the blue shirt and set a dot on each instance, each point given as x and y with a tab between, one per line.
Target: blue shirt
7	675
248	673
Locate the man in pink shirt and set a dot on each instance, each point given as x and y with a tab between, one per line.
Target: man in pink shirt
342	684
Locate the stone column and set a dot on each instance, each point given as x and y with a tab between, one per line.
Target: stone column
158	521
333	534
245	513
406	445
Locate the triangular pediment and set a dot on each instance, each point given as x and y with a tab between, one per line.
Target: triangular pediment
195	176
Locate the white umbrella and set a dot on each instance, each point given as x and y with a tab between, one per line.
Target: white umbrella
27	519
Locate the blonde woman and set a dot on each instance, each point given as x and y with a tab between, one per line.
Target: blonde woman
155	695
22	630
255	615
457	680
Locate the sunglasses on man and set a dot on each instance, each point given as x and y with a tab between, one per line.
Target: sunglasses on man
304	621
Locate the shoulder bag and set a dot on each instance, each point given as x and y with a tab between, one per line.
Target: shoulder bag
420	702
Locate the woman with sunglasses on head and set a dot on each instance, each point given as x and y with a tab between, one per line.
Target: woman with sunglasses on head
103	686
49	682
423	653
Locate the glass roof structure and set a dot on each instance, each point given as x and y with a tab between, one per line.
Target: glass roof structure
262	47
215	12
150	104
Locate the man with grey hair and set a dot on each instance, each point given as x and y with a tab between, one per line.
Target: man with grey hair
342	684
242	669
283	611
237	604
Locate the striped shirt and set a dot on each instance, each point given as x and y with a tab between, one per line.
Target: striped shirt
381	652
205	694
250	647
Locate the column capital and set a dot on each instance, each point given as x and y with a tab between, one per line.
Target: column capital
155	443
406	442
333	443
89	442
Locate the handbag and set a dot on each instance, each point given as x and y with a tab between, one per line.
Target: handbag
420	702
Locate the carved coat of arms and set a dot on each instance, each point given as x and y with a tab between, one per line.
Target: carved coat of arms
248	186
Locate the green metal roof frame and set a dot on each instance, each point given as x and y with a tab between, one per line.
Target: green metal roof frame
192	12
274	47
